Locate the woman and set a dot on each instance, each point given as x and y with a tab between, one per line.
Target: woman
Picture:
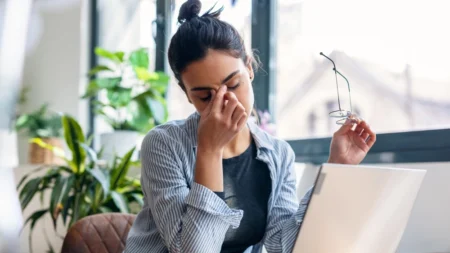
215	182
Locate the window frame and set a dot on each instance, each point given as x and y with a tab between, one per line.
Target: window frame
399	147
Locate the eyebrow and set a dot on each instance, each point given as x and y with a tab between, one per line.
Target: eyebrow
226	79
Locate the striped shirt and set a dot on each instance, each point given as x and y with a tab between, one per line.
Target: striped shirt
180	215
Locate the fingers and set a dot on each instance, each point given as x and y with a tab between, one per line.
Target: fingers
370	137
238	113
233	110
210	104
241	122
230	106
218	101
365	134
359	141
359	129
347	126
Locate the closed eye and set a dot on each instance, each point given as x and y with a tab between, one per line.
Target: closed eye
205	98
234	87
229	88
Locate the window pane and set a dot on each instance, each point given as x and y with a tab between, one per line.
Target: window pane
238	14
393	52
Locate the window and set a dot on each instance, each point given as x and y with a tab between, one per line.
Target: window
394	54
238	14
125	26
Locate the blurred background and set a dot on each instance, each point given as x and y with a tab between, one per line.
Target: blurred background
104	64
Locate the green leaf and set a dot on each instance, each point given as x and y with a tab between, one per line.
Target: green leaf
144	75
97	69
100	152
119	173
89	140
43	109
91	153
105	209
91	90
34	217
120	55
22	180
102	178
44	133
119	97
152	104
139	198
120	201
28	191
161	83
139	58
62	201
22	122
159	108
74	137
141	117
106	54
66	208
108	82
54	198
76	208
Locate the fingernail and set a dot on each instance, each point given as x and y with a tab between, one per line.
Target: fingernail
224	87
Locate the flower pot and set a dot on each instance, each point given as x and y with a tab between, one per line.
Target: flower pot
39	155
119	143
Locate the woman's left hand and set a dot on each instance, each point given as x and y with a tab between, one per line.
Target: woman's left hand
351	144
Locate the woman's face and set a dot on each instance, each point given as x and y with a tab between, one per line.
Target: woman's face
215	69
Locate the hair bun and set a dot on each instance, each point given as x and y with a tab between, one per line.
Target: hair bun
189	10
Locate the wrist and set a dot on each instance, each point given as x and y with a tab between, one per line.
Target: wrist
332	160
214	152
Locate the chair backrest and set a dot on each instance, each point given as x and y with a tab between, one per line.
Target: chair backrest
100	233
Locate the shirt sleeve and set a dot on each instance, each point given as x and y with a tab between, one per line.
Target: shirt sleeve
189	220
287	214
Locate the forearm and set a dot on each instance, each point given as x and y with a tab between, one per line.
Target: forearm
208	169
205	222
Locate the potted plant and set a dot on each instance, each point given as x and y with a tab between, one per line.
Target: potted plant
46	125
129	97
83	186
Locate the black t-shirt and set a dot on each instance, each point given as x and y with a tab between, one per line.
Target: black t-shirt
247	186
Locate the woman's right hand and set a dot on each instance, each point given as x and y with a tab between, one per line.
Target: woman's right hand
220	121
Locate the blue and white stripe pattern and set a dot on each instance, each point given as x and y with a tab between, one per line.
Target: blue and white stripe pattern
180	215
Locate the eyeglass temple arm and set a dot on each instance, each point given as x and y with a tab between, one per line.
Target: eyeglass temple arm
348	84
334	65
337	84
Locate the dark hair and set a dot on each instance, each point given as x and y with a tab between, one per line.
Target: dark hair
197	34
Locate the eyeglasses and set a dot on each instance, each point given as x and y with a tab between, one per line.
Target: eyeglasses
341	114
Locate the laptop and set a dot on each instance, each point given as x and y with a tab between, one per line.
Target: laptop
358	209
428	229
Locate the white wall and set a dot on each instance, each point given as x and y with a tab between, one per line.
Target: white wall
53	70
53	65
